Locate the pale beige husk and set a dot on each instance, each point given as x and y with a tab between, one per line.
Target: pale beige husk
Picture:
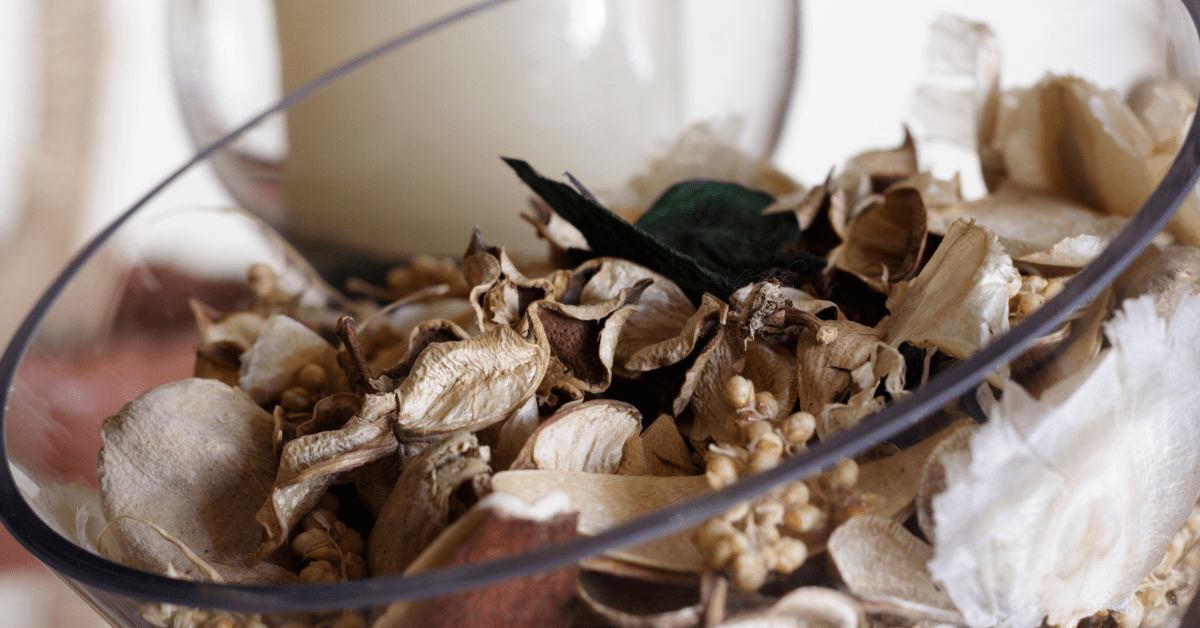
194	457
881	561
885	241
587	436
805	607
604	501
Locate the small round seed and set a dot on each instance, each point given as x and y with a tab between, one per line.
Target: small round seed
799	427
721	471
739	391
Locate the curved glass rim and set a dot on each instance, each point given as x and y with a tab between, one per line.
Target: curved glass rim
95	571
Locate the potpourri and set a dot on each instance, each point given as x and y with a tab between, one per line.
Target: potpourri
719	320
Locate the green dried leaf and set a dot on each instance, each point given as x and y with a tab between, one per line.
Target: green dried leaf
692	261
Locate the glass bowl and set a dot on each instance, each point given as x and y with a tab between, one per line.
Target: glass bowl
117	321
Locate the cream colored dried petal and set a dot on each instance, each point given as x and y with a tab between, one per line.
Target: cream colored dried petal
1071	138
770	368
1169	275
1028	220
586	436
283	348
194	457
513	433
805	607
423	501
311	464
959	301
561	234
666	451
468	384
500	293
881	561
604	501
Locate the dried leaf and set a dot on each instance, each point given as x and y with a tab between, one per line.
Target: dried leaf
660	313
424	501
604	501
1065	504
195	458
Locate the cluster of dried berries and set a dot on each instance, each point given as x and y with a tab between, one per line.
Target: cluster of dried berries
491	408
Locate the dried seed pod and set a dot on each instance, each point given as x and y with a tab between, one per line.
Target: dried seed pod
424	501
886	240
156	464
585	436
283	348
468	384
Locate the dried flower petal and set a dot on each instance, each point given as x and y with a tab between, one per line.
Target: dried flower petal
194	457
881	561
1063	505
886	240
468	384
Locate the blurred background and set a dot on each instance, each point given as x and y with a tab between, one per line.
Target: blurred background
89	123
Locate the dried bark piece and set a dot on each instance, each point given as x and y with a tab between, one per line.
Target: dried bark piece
586	436
424	501
468	384
581	339
959	301
497	526
885	241
660	313
604	501
311	464
282	349
805	607
194	457
882	562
